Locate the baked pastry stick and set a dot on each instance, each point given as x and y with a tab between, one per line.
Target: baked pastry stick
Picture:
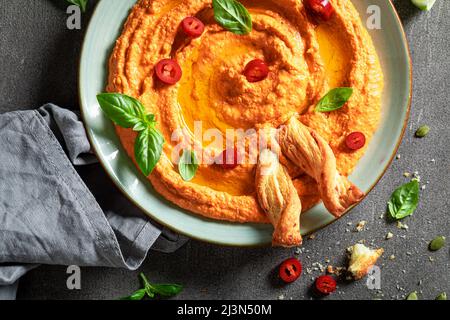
305	148
279	199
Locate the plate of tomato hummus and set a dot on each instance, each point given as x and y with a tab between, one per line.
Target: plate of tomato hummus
245	122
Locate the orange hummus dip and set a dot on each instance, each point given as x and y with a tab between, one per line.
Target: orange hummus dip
305	60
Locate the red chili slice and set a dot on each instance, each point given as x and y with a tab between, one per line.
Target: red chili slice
168	71
256	70
355	140
229	159
322	9
193	27
325	285
290	270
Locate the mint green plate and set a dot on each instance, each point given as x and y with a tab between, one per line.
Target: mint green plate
105	27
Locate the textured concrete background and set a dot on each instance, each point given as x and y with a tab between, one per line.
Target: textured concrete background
38	64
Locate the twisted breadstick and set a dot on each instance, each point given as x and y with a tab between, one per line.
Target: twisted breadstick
279	199
305	148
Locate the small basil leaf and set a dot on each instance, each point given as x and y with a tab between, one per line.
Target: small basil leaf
138	295
81	3
404	200
150	118
139	126
233	16
148	149
334	99
188	165
123	110
167	290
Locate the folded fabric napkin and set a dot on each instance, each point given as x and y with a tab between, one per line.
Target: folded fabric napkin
58	207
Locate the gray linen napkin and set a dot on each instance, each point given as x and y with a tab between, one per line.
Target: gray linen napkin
48	214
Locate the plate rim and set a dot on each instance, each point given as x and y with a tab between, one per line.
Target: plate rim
149	214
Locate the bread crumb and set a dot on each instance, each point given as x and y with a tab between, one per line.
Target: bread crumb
338	271
362	259
389	235
402	226
360	226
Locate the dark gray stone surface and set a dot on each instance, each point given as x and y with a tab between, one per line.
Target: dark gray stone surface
38	64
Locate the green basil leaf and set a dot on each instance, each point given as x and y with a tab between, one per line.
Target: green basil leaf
188	165
81	3
123	110
148	149
138	295
404	200
150	118
334	99
166	290
233	16
140	126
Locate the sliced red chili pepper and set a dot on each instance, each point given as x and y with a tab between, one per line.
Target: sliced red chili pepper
325	285
322	9
193	27
290	270
355	140
168	71
256	70
229	159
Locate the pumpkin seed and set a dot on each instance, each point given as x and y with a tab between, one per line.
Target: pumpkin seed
424	5
437	243
442	296
422	131
412	296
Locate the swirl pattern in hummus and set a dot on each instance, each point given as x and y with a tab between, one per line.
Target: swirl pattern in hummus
305	61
